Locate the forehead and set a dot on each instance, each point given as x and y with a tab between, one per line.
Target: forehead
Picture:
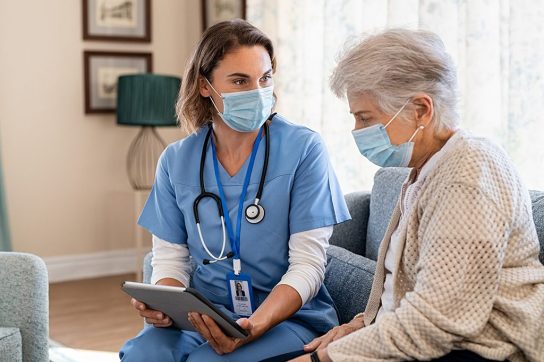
359	102
245	59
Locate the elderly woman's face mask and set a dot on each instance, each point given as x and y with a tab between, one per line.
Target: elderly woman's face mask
374	143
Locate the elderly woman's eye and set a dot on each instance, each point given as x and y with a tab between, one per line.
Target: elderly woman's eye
365	121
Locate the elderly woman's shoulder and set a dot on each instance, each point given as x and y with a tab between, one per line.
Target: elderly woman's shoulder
480	163
470	151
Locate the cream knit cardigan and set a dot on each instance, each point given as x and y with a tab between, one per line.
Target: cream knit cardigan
468	275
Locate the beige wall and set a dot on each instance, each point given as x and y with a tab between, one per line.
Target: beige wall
67	189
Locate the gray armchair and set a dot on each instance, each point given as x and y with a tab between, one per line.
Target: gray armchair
24	308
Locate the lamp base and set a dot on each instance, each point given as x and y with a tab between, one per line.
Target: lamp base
142	158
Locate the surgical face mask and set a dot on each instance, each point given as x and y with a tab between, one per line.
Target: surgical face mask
246	111
374	143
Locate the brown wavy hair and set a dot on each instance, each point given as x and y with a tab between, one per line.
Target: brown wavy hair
193	110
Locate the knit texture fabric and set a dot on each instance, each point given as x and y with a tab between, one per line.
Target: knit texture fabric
469	275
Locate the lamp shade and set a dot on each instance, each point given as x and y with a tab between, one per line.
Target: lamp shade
147	100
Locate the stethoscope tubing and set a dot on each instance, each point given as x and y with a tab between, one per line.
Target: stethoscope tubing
204	194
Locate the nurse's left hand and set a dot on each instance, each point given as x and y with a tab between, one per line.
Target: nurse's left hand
219	341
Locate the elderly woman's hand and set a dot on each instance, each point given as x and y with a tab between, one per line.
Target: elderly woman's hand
335	333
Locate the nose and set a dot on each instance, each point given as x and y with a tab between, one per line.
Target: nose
257	84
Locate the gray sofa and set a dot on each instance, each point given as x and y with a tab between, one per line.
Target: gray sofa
355	243
24	308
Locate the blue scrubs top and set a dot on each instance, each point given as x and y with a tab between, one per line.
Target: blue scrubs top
300	193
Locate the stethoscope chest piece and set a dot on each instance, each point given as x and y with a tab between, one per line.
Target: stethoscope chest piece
254	213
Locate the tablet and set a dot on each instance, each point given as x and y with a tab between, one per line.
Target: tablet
177	302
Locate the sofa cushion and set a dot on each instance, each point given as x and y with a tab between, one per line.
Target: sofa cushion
348	279
385	192
537	197
11	346
351	234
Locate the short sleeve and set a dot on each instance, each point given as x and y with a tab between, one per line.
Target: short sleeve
316	197
161	214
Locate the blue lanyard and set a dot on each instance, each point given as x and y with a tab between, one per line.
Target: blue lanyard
235	242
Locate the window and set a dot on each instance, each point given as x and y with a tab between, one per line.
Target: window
498	47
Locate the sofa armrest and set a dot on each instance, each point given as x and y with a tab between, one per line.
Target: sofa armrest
11	345
148	269
351	235
537	198
24	302
348	279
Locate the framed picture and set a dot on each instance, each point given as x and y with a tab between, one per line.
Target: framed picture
101	70
215	11
117	20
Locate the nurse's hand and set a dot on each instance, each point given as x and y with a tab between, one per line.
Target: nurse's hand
219	341
334	334
154	317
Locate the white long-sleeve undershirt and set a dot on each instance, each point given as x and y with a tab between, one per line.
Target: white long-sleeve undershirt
306	271
170	260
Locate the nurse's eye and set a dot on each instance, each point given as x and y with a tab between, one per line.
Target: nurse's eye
240	81
266	78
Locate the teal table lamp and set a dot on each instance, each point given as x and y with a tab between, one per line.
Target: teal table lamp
146	100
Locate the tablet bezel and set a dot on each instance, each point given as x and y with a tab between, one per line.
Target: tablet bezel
149	297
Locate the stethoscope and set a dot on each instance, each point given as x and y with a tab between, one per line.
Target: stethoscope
254	213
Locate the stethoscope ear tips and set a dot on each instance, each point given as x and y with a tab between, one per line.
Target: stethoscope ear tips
254	214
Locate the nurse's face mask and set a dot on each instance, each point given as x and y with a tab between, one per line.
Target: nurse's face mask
246	111
374	143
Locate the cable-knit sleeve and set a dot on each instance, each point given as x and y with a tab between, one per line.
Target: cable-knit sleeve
463	237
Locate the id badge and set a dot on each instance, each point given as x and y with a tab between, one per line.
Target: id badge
241	293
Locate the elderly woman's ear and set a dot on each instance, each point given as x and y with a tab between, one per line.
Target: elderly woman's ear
423	109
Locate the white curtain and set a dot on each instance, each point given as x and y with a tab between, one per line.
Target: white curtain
498	46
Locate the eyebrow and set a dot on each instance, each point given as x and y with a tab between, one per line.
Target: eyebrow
243	75
360	112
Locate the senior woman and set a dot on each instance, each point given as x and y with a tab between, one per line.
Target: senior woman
457	276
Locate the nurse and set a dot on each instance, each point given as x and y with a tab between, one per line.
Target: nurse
242	210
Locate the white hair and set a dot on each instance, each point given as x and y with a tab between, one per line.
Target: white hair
395	65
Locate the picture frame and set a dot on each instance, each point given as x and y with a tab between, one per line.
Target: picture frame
117	20
101	70
215	11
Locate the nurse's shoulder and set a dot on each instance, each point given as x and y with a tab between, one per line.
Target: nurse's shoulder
183	155
295	139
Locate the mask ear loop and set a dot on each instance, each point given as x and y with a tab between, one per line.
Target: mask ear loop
415	133
214	106
396	114
211	99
